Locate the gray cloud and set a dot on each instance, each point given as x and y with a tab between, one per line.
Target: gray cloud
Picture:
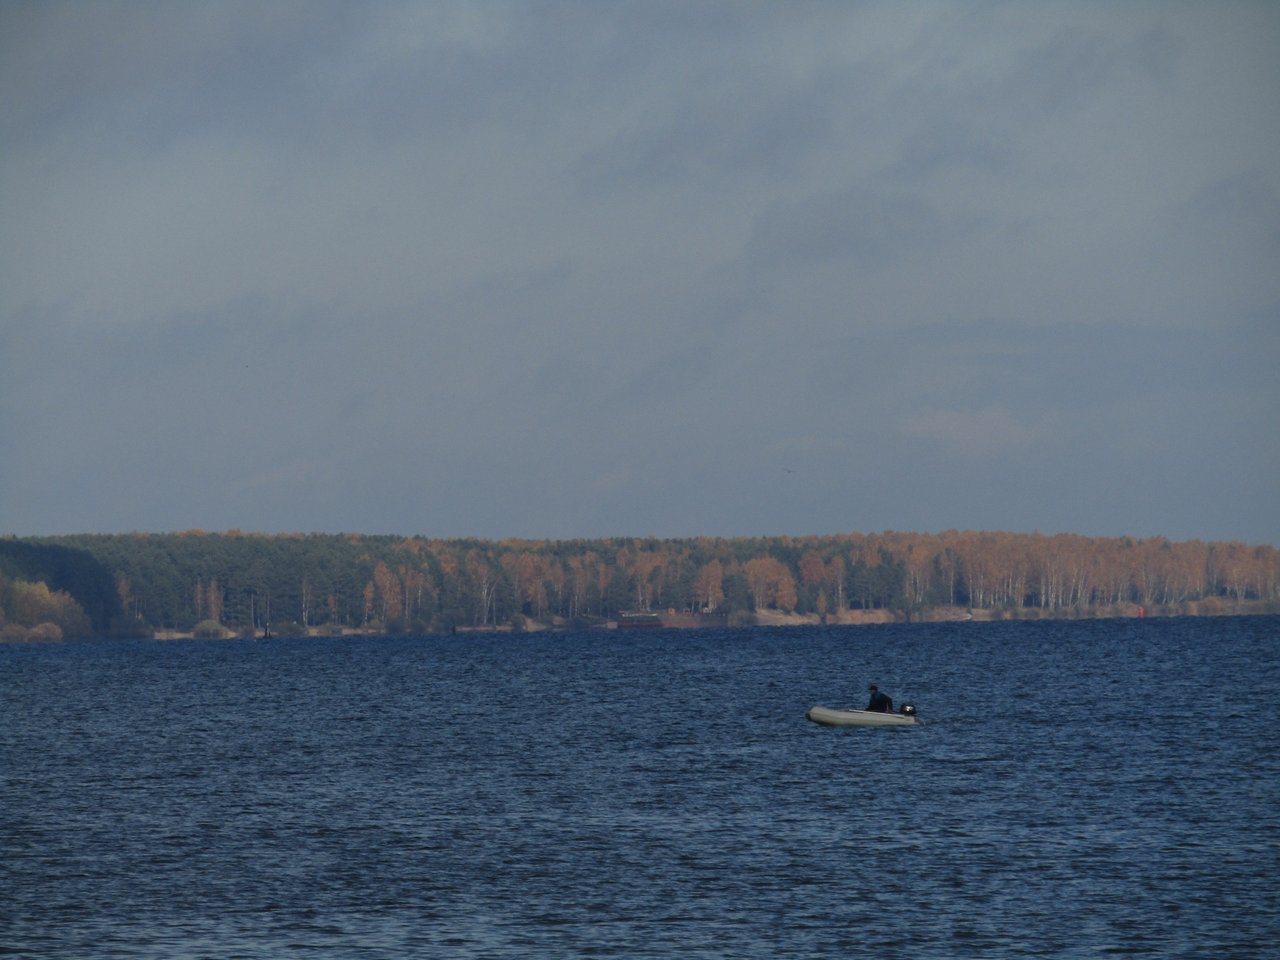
855	227
564	269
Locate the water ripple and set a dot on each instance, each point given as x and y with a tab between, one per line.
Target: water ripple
1066	794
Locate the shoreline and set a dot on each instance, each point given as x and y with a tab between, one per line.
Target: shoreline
775	618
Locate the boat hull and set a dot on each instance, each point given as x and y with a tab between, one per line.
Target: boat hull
830	717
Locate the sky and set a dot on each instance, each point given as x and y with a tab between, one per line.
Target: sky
646	268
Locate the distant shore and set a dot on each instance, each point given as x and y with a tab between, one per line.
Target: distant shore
773	618
225	585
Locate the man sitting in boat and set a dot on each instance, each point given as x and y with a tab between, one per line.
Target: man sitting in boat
880	702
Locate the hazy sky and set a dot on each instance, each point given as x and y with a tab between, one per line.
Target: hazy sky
577	269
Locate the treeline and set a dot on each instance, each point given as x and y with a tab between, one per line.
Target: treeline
50	592
296	583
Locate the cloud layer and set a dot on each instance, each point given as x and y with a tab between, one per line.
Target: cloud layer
571	269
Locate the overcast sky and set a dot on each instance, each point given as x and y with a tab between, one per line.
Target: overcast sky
578	269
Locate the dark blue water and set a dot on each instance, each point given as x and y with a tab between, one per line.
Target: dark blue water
1074	790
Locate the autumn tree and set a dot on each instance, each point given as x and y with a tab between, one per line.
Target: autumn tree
836	581
813	578
771	584
389	592
646	574
34	604
152	580
418	594
708	586
484	585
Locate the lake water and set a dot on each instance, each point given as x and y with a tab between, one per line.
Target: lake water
1073	790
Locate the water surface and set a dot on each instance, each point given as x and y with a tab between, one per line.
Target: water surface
1073	790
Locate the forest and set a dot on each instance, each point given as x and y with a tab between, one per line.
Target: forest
234	583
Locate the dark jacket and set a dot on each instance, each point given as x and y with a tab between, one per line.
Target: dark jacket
880	703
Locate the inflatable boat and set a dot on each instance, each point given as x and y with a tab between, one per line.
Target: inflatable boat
830	717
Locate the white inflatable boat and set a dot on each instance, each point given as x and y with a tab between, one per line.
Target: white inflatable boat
830	717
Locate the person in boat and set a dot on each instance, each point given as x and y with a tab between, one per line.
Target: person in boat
880	702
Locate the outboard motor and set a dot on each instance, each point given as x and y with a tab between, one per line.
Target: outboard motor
908	710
